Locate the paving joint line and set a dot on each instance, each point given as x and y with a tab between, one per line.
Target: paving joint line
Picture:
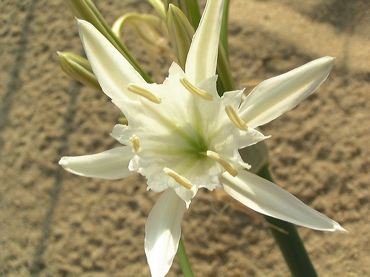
13	84
38	265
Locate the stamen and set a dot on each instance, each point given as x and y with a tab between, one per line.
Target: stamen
234	117
225	164
135	143
144	93
178	178
194	90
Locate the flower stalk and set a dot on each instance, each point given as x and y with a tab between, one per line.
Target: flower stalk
184	260
290	244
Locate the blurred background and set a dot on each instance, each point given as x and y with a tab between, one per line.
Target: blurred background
53	223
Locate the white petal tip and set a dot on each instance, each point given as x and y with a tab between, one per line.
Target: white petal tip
327	60
83	24
63	161
80	21
339	228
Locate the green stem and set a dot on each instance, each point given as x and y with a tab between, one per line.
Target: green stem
184	261
288	239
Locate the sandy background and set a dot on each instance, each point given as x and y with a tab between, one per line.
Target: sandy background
55	224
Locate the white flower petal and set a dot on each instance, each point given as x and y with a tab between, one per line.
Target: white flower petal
163	231
250	137
112	70
111	164
121	133
201	61
233	98
277	95
265	197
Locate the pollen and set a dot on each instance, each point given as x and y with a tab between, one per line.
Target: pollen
224	163
144	93
135	143
181	180
234	117
195	90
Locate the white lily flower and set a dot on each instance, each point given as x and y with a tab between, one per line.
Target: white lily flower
182	136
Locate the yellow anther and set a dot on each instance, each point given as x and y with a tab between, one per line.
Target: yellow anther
181	180
135	143
234	117
225	164
194	90
144	93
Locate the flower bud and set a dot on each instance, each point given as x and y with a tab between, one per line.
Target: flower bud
78	68
159	7
86	10
149	27
180	33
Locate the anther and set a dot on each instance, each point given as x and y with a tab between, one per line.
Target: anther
234	117
181	180
194	90
225	164
135	143
144	93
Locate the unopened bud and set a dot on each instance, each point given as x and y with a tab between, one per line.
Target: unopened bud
86	10
78	68
159	7
149	27
180	33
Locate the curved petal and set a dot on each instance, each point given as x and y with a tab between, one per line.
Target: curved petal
112	70
111	164
201	61
277	95
163	231
121	133
232	98
267	198
250	137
